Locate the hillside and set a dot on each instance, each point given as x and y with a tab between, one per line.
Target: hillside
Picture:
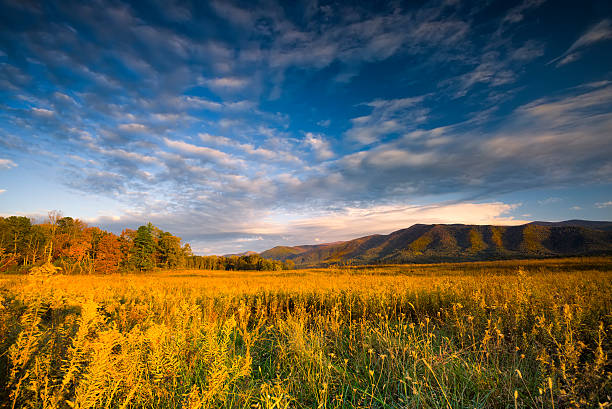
423	243
245	253
589	224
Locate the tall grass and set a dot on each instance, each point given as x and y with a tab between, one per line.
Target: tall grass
504	335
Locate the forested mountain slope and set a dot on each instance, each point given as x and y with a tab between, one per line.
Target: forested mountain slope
422	243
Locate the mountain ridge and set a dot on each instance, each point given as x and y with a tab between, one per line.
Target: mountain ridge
422	243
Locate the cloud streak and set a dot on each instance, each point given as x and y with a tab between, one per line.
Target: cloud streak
599	32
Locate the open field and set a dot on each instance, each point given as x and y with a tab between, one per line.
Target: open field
500	334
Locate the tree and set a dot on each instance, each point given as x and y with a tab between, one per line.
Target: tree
74	245
16	230
108	256
143	249
169	251
37	241
54	217
126	240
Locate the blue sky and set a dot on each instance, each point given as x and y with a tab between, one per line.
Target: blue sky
240	126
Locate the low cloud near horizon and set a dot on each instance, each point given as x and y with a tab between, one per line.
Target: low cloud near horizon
316	228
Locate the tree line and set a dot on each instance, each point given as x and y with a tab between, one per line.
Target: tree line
247	262
71	246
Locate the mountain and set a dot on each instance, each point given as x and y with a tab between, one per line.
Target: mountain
246	253
589	224
426	243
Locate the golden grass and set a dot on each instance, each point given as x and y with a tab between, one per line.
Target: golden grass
497	334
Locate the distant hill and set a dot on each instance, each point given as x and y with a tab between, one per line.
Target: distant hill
589	224
425	243
246	253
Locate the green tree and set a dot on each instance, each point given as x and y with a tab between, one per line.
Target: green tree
143	250
169	251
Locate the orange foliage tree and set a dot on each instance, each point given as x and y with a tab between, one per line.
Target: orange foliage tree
109	255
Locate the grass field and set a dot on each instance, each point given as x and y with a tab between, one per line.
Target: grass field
499	334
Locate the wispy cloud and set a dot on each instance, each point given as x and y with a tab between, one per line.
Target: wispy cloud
248	148
387	117
225	83
209	154
517	13
42	112
7	163
603	205
599	32
549	200
319	145
133	127
350	222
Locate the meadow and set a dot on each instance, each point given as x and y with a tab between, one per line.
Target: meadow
503	334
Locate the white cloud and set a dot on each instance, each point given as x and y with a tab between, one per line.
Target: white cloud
198	102
387	117
210	154
319	146
492	70
516	14
7	163
554	141
249	149
248	239
133	127
599	32
169	117
2	191
225	82
549	200
63	97
603	205
530	50
42	112
350	222
393	158
123	154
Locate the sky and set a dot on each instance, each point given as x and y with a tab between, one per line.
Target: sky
245	125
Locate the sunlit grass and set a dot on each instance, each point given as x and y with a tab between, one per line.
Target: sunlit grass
501	334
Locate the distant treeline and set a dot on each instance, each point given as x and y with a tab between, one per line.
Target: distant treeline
72	247
250	262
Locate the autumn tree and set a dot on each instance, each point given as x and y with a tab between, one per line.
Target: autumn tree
126	243
108	254
74	245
